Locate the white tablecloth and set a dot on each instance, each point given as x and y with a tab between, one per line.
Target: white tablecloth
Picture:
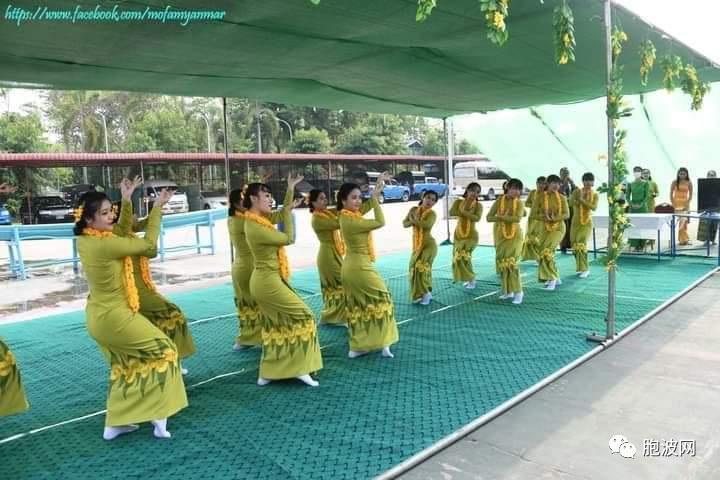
644	225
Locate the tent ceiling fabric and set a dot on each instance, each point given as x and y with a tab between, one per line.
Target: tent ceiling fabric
366	55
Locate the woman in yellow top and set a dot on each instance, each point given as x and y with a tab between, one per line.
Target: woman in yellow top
550	208
326	224
584	201
289	337
160	311
12	392
421	219
681	192
370	309
248	312
506	213
145	379
534	228
466	237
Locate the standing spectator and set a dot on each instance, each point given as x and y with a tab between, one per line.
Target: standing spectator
708	228
681	191
567	186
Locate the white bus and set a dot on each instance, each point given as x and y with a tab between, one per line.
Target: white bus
484	172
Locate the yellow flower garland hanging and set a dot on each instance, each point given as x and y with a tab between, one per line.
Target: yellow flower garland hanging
132	292
551	226
371	244
418	232
586	194
503	226
464	224
282	254
337	238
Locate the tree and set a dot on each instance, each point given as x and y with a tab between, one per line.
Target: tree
467	148
311	140
161	130
378	134
434	142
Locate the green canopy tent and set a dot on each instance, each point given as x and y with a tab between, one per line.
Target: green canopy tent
341	54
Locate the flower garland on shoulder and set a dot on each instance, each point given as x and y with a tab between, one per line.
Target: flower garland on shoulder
371	244
282	254
465	224
133	298
587	195
551	225
337	238
418	232
503	226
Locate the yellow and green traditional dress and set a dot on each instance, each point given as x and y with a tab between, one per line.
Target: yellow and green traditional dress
145	379
555	206
160	311
506	214
289	336
638	197
12	392
326	224
654	192
534	230
584	202
371	313
421	219
465	238
248	312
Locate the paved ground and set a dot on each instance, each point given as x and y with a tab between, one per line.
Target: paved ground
659	383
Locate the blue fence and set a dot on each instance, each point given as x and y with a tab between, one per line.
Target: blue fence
14	235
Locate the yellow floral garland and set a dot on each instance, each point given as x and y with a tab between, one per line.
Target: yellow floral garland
585	194
371	244
551	226
465	223
337	238
418	232
282	254
503	226
7	364
133	298
78	212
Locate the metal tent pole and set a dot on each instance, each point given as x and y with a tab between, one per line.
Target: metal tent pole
610	320
450	150
227	165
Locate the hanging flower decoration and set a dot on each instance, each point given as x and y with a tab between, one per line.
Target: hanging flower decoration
424	9
564	24
672	66
616	109
647	60
692	85
496	11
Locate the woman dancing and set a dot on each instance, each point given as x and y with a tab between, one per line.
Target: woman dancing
466	237
421	219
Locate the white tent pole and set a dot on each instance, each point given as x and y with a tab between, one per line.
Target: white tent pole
450	149
610	319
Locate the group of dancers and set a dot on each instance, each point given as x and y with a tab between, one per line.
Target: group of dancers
144	337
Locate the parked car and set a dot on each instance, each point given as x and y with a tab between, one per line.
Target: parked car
5	218
431	184
392	191
51	209
210	200
71	193
485	173
178	202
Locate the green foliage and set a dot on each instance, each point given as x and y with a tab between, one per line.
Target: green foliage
495	13
424	9
466	148
564	25
647	60
162	130
311	140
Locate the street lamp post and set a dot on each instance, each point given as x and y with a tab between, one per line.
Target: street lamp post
288	126
107	149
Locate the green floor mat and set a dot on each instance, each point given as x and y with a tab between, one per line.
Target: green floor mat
456	360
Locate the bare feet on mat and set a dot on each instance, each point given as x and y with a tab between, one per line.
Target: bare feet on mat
518	298
308	380
353	354
262	381
111	433
387	353
426	298
550	285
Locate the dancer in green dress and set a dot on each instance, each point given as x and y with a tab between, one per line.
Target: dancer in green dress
534	228
145	379
584	201
550	208
506	213
639	195
469	211
371	314
421	219
326	224
159	310
289	336
248	312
